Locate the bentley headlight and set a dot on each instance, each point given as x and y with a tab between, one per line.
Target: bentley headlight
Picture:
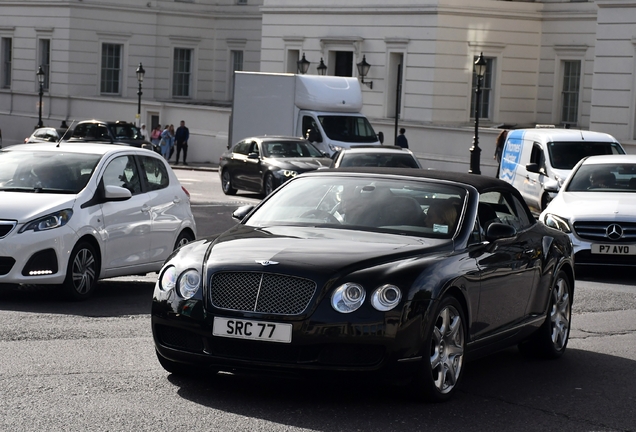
168	279
348	297
54	220
557	222
386	297
189	283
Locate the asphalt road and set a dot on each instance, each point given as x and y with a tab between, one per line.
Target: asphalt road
91	366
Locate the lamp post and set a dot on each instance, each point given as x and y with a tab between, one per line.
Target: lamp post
40	75
363	70
303	65
475	151
140	79
322	68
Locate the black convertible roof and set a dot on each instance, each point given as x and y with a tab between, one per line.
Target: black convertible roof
479	182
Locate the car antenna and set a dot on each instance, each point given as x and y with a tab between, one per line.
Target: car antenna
64	134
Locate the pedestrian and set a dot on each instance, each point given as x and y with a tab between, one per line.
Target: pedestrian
63	125
155	135
165	142
401	139
144	132
172	141
499	145
181	136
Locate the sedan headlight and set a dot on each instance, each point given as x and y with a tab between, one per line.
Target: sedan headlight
289	173
189	283
348	297
386	297
52	221
557	222
168	279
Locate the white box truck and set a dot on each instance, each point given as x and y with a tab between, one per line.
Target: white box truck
323	109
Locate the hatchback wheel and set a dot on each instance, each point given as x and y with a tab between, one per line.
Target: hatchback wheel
552	337
443	353
81	273
184	238
226	183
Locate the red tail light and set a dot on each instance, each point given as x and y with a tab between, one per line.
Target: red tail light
186	191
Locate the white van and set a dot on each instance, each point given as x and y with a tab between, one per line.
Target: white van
537	161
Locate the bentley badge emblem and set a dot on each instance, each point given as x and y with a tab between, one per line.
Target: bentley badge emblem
265	263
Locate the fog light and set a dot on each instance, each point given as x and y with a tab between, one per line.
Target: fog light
348	297
386	297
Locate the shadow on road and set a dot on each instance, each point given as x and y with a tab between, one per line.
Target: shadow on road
113	298
614	275
582	391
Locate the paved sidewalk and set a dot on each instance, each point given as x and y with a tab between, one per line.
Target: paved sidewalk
195	166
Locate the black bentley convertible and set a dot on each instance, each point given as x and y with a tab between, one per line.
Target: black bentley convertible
369	270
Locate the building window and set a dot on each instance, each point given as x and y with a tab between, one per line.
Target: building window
241	1
45	60
182	71
344	63
237	61
111	69
570	92
486	90
6	62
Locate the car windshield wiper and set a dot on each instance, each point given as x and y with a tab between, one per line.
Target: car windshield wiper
53	190
17	189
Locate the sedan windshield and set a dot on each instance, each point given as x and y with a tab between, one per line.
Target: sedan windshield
419	208
45	171
290	149
604	178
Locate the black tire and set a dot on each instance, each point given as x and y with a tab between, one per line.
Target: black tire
443	353
82	272
226	183
184	238
268	185
551	339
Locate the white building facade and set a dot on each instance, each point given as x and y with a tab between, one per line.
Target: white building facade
549	62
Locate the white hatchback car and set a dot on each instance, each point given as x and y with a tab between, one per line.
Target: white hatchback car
71	214
597	208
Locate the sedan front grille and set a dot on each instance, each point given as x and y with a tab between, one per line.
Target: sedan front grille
261	292
597	231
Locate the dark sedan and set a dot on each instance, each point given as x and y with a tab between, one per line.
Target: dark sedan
399	272
261	164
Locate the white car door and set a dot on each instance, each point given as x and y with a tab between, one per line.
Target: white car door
126	225
168	205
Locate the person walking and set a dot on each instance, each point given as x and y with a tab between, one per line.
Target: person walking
181	136
155	135
166	142
499	145
401	139
144	132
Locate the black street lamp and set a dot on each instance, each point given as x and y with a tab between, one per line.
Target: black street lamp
140	78
303	65
40	75
363	70
475	151
322	68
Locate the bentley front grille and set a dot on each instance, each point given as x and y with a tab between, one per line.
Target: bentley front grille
620	232
261	292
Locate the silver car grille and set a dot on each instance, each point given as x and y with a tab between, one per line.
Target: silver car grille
6	226
600	231
261	292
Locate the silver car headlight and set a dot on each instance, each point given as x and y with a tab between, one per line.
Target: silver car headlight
168	279
189	283
348	297
386	297
558	222
335	148
51	221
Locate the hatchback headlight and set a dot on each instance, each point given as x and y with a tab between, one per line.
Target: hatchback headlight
52	221
189	283
386	297
558	222
348	297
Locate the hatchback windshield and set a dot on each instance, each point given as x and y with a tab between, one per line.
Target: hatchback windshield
397	206
45	171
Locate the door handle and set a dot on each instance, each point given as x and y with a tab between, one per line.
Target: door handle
176	200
